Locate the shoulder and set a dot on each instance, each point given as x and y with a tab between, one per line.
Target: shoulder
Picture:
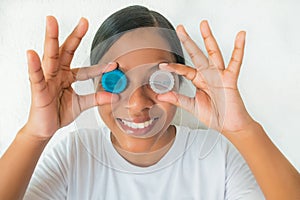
69	144
206	142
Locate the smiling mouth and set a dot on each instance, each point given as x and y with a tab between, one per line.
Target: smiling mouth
137	129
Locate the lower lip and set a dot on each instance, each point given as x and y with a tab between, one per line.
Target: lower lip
138	132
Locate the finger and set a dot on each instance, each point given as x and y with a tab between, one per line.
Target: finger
69	47
85	102
238	53
197	56
85	73
36	75
188	72
179	100
211	45
51	52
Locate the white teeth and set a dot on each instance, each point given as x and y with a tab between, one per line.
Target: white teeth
137	125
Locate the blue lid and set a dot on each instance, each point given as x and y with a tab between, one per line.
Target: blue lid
114	81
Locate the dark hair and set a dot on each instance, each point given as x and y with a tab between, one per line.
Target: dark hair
127	19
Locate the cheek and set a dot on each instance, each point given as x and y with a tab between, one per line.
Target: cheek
169	110
172	111
105	112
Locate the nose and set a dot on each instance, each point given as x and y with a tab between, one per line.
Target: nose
140	100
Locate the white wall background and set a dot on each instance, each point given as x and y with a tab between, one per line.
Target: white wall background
269	81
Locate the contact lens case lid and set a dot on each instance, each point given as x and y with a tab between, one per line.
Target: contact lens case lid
161	81
114	81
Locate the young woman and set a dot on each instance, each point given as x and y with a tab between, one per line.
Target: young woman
140	154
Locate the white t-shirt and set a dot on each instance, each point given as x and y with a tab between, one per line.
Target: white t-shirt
201	164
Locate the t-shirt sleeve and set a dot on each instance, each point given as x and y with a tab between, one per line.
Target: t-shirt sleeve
240	182
50	178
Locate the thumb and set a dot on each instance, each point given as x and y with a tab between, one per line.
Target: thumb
85	102
179	100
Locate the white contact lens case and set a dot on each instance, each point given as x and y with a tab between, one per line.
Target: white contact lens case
161	81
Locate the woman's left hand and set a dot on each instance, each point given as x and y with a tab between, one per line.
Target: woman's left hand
217	102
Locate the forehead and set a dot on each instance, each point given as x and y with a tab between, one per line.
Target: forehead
142	44
144	59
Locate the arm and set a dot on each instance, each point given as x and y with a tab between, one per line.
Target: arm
218	104
18	163
277	178
54	104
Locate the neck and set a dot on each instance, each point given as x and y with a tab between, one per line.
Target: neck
145	159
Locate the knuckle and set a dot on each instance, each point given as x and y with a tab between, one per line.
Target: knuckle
211	52
54	57
71	52
192	74
65	67
43	88
186	39
74	75
235	60
53	74
39	81
195	54
53	36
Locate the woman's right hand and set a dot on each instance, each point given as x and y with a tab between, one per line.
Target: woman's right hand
54	104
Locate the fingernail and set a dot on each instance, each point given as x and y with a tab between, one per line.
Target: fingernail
107	67
111	63
27	54
241	35
80	21
181	32
47	21
163	65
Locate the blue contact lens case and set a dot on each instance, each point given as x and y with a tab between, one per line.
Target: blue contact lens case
114	81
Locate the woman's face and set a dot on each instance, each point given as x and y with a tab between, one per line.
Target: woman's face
138	121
